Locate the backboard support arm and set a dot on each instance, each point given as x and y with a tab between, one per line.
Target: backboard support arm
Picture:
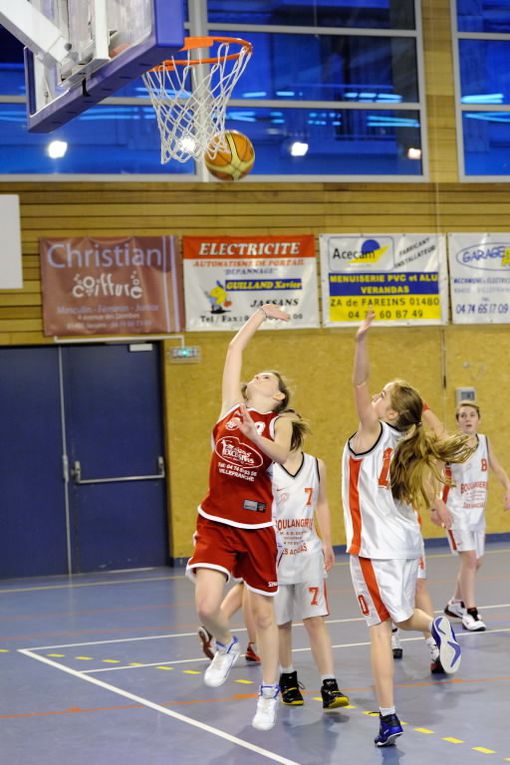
34	30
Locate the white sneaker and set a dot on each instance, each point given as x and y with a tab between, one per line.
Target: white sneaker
223	661
449	650
265	716
455	609
473	623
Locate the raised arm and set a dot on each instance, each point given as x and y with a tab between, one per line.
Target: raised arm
323	518
231	385
369	425
501	475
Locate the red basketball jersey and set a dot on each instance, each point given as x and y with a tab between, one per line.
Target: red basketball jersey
240	475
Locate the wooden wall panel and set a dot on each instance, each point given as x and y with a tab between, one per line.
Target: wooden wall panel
437	360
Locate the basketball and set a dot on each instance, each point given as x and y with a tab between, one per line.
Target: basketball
233	161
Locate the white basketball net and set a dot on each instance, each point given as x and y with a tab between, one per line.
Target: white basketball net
190	97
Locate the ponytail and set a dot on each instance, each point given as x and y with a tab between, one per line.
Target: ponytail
416	461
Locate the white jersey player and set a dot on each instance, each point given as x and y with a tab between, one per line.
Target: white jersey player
466	500
386	470
299	487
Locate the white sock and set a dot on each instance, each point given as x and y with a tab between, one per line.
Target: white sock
387	711
286	670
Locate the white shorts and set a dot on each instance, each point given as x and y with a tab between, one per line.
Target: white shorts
301	601
462	539
385	589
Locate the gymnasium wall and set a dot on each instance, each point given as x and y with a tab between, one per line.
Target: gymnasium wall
318	362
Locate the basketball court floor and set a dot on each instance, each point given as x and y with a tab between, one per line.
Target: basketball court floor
106	668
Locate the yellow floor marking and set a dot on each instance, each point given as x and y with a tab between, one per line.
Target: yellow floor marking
83	658
350	706
56	655
191	672
483	750
111	661
4	650
166	668
423	730
245	682
135	664
453	740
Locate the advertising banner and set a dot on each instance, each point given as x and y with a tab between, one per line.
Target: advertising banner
402	277
125	286
480	278
227	278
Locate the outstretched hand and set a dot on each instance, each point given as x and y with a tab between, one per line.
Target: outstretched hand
273	311
245	424
365	324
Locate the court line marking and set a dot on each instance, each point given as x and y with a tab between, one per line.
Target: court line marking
141	580
243	629
141	665
162	710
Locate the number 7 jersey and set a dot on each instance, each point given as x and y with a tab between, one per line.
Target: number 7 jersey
294	519
376	525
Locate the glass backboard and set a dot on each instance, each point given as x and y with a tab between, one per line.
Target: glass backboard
111	43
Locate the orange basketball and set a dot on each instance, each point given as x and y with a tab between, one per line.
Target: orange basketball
234	159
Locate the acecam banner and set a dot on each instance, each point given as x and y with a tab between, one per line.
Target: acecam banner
480	278
401	277
227	278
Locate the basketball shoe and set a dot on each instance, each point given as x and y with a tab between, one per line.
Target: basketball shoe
455	608
207	641
332	696
436	667
472	621
290	688
389	730
223	661
251	654
267	704
449	650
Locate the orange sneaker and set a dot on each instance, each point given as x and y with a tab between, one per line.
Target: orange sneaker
250	654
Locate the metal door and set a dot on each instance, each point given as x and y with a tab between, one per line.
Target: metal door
33	537
114	447
81	460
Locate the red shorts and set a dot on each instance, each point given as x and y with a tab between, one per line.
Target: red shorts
248	554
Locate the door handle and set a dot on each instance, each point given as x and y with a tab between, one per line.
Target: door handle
76	474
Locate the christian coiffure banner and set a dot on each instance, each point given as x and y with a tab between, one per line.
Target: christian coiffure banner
111	286
402	277
480	278
227	278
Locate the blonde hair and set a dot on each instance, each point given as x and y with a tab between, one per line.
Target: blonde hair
418	454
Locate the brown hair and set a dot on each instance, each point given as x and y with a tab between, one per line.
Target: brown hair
417	457
283	387
300	429
472	404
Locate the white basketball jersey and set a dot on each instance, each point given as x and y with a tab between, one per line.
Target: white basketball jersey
376	525
294	509
466	500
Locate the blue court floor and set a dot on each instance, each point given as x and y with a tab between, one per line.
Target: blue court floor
106	669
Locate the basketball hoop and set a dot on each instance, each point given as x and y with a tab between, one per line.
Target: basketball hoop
190	95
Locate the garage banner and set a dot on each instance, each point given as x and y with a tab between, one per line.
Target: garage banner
125	286
227	278
480	278
402	277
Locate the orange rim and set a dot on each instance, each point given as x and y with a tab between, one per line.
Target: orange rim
190	43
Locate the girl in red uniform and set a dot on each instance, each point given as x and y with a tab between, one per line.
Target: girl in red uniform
235	527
